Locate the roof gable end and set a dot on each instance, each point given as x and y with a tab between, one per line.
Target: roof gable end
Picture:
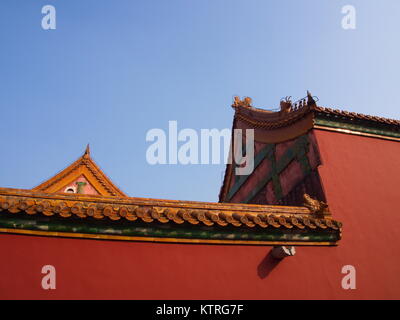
83	167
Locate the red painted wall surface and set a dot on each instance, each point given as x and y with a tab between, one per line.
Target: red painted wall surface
360	177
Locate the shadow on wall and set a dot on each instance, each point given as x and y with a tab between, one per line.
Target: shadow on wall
267	265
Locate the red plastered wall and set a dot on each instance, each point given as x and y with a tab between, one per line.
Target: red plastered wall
361	179
96	269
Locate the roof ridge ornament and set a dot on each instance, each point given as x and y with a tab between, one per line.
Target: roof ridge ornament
87	152
316	207
245	102
286	104
310	99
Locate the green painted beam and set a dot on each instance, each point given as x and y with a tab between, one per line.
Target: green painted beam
324	121
166	230
257	161
297	152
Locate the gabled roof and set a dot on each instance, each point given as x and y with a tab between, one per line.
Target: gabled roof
86	167
294	119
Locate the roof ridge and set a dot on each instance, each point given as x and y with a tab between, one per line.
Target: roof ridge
362	116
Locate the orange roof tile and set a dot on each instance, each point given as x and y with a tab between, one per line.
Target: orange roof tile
164	211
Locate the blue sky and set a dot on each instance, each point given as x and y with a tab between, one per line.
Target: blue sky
112	70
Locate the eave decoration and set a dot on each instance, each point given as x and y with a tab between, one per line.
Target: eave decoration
295	118
139	219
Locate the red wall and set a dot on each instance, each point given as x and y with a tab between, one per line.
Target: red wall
360	177
128	270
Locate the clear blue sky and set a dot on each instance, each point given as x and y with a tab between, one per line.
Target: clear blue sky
112	70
